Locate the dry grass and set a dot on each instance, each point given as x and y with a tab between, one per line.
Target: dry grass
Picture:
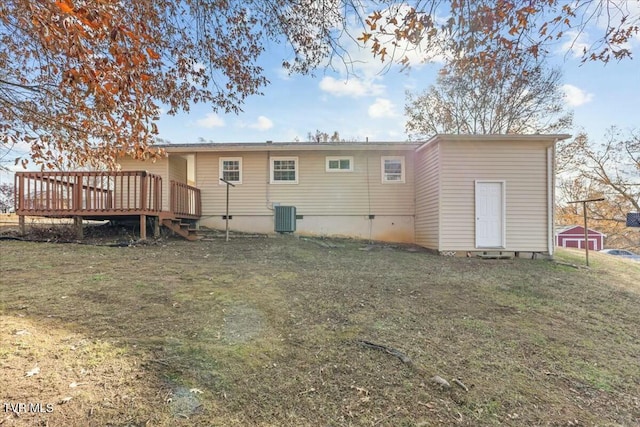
265	331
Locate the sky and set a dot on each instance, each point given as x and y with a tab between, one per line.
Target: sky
367	102
373	106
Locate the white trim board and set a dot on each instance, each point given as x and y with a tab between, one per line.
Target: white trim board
488	222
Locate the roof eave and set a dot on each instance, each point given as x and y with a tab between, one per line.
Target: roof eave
551	138
252	147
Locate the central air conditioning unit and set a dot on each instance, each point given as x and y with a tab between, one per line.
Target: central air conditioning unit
285	219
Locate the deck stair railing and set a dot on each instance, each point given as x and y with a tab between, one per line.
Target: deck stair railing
185	200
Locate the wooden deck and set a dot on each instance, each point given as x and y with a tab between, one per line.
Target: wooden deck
104	196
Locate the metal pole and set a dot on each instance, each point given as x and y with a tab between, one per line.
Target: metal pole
227	218
586	232
227	215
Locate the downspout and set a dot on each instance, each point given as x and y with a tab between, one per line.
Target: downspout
267	194
369	197
551	196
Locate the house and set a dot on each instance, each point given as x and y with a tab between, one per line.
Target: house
572	236
452	193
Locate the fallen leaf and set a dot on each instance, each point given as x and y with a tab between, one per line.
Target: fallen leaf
361	390
33	372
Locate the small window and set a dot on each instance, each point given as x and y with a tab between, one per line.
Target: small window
231	169
340	164
392	169
284	170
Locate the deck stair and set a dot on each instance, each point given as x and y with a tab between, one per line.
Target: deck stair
496	255
183	229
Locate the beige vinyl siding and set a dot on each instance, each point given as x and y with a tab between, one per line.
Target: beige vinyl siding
522	165
159	167
427	182
317	192
177	169
248	198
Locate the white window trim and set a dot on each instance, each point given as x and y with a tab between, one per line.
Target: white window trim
271	167
402	165
338	158
220	171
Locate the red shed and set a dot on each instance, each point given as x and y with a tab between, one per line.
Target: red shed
572	236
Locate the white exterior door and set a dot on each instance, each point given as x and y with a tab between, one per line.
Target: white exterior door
490	215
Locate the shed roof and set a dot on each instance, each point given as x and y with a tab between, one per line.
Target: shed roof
566	228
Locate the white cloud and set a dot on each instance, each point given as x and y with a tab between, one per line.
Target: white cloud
352	87
575	43
263	123
574	96
382	108
210	121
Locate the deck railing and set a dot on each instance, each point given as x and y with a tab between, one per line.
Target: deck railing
81	193
185	200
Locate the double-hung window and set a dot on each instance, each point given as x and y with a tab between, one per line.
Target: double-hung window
339	164
284	170
231	169
393	169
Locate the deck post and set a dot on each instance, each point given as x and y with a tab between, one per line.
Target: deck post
144	205
77	222
23	229
77	194
143	227
156	227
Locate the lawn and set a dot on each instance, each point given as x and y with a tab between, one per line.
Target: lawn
269	331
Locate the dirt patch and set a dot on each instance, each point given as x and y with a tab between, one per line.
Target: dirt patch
52	376
184	402
241	324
